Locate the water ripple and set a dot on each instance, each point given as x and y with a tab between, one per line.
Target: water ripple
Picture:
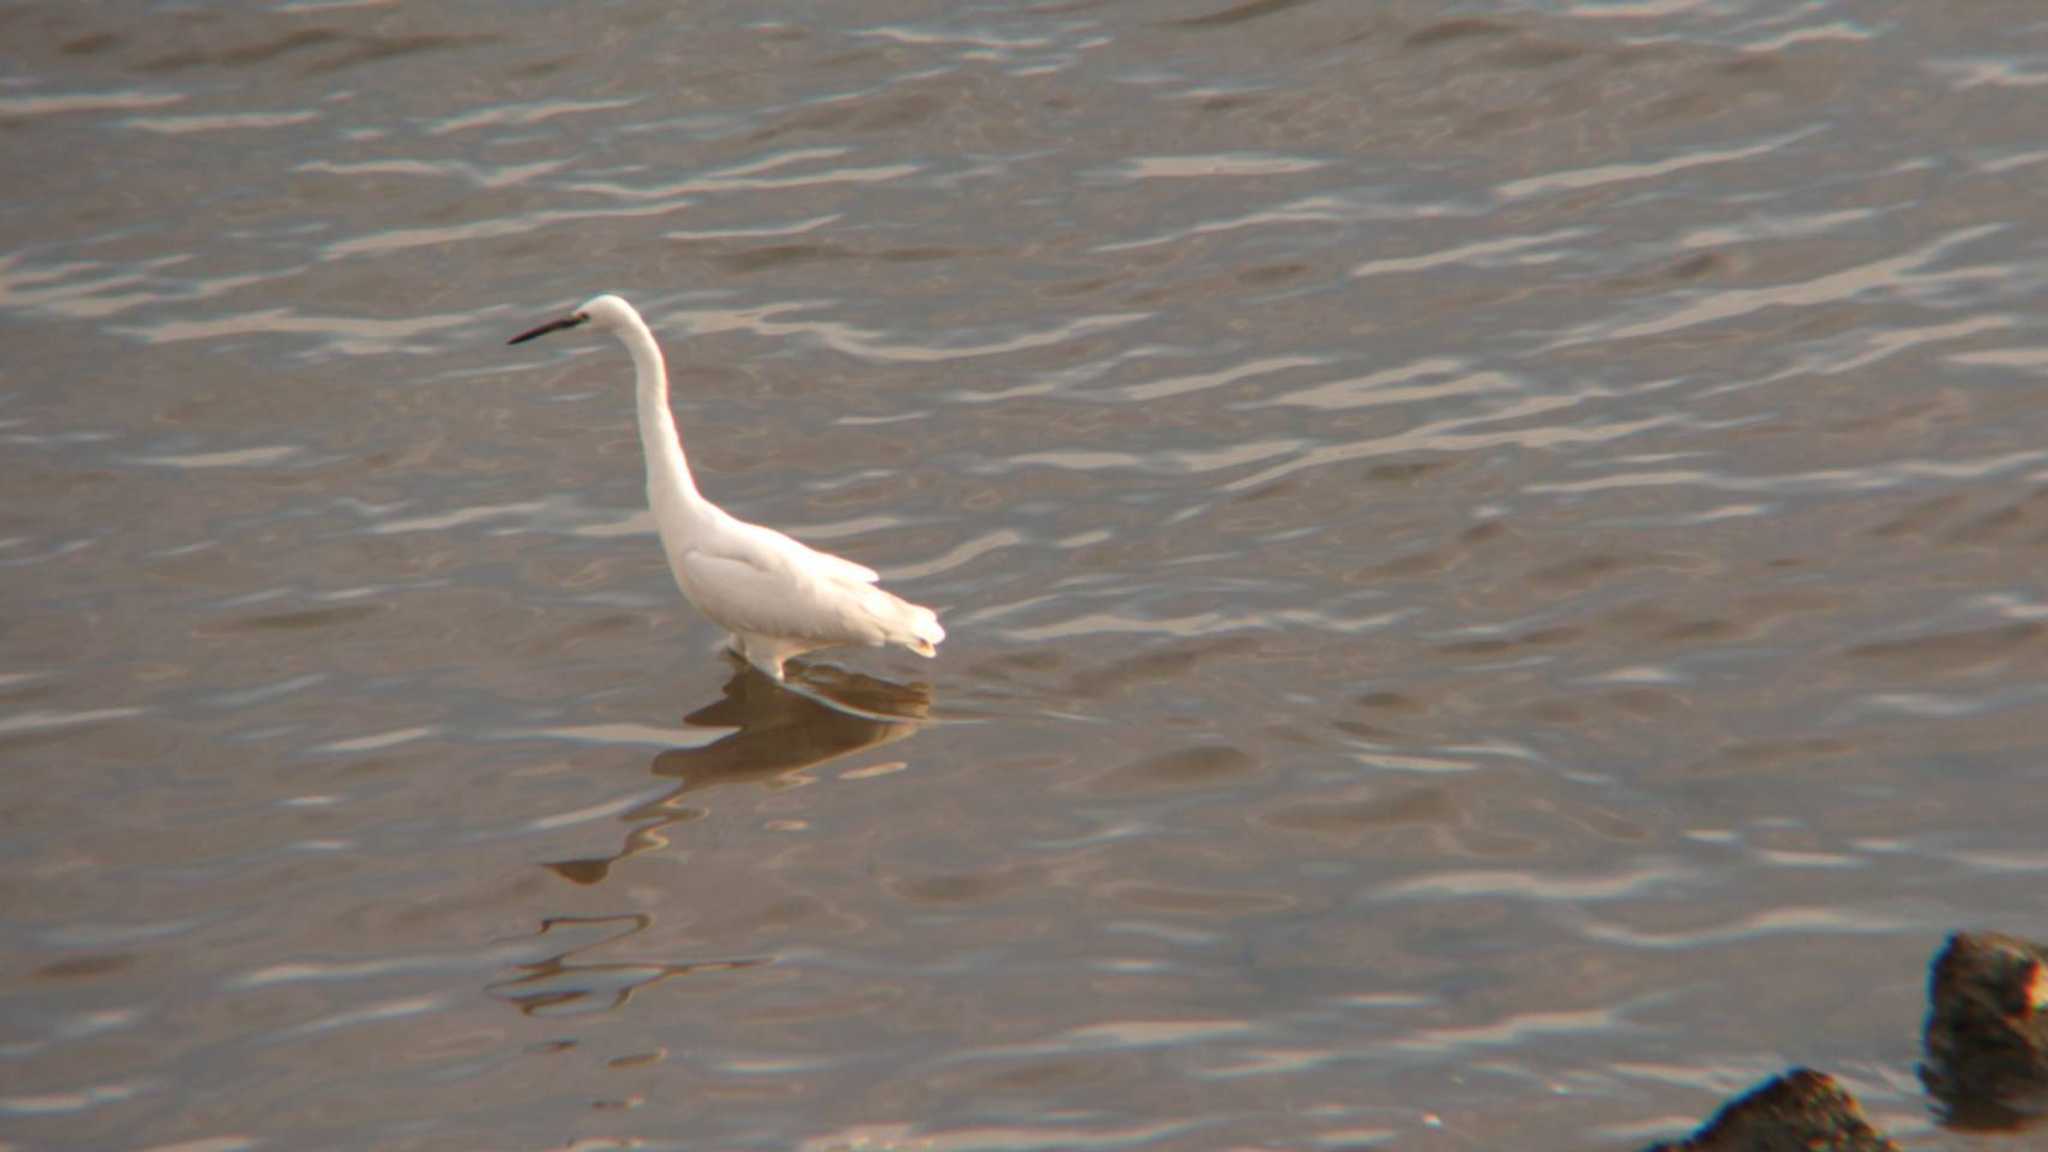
73	1102
1774	226
1322	209
349	971
1221	164
1900	274
1372	391
995	1138
1968	73
1582	178
376	1013
1871	478
869	344
749	177
1201	382
1769	922
966	552
1620	885
456	518
378	741
231	458
93	290
1835	31
1122	1035
1479	253
1863	347
393	240
52	104
44	721
343	335
220	122
469	172
1447	436
1173	462
521	115
759	231
1513	1032
2027	358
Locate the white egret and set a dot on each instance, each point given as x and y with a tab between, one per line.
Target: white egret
777	597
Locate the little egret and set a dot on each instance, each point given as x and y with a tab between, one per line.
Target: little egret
777	597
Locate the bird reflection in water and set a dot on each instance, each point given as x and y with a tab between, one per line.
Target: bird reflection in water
821	714
558	986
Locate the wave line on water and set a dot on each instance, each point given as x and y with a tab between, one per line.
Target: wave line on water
1473	253
1814	921
73	1102
1514	1031
1536	885
1306	210
1181	385
523	115
482	176
51	104
220	122
1892	272
869	344
44	721
1215	164
345	335
1875	477
1578	179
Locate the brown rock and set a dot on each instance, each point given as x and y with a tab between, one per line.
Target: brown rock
1987	1031
1801	1111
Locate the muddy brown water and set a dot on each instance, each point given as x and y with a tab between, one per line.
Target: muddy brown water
1493	555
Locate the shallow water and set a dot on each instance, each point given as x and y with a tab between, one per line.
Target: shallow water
1492	555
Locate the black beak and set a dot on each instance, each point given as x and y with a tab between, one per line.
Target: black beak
550	326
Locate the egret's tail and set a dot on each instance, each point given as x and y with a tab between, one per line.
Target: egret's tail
911	625
925	631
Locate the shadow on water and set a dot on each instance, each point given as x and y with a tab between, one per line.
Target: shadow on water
822	714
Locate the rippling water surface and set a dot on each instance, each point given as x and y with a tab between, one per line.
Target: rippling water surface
1493	554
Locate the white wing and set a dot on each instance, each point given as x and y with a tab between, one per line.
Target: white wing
756	580
752	542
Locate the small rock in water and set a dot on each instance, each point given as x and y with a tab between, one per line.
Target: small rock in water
1801	1111
1987	1034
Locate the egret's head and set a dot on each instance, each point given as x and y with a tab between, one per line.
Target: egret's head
606	312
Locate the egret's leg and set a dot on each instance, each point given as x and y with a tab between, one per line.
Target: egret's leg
763	653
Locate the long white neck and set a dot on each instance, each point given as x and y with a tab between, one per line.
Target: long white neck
668	473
